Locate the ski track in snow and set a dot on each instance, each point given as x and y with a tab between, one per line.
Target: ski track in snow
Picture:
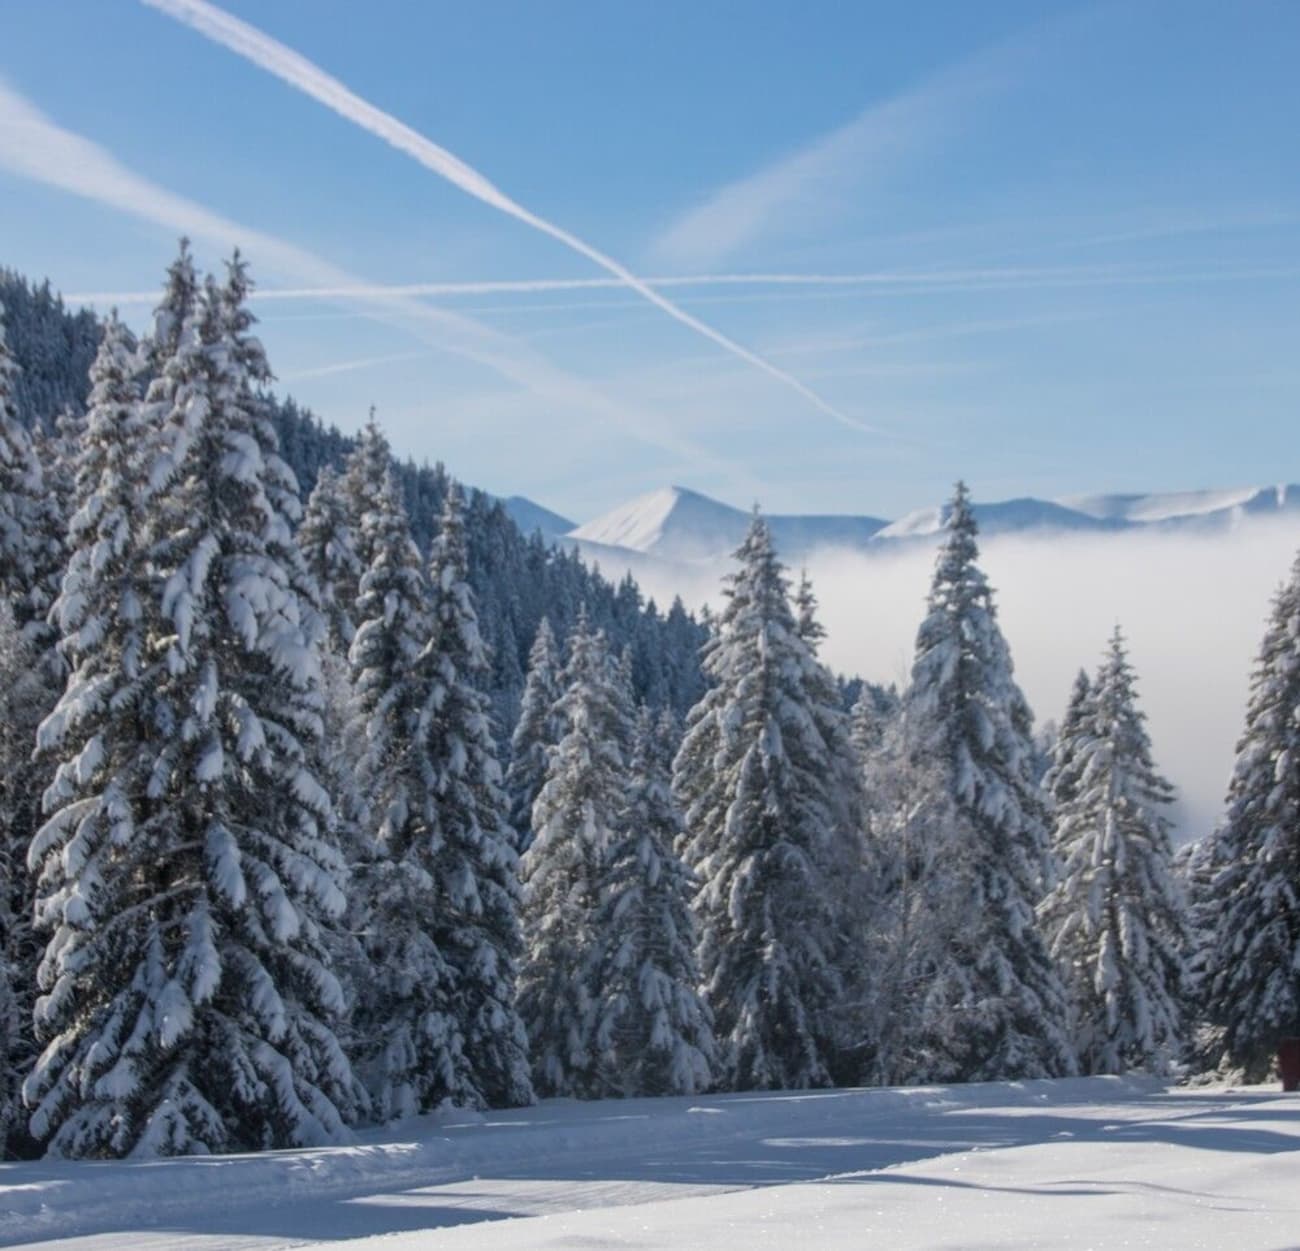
1086	1162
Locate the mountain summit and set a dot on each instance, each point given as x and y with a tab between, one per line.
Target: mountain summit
677	524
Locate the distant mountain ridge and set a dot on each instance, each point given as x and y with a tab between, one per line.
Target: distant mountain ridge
675	525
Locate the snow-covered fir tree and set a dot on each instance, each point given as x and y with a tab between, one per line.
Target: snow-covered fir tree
20	487
1196	867
33	508
22	691
846	851
1116	919
867	725
833	724
368	467
30	539
329	548
98	735
57	451
653	1034
1061	782
328	544
911	875
476	869
576	820
1251	983
995	1007
214	1002
180	298
754	782
411	1048
537	732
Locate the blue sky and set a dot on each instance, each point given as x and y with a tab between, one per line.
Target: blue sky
1062	240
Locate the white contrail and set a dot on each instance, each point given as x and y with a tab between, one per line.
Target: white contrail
35	147
347	367
290	66
1010	277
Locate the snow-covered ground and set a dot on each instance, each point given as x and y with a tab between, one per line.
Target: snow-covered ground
1087	1163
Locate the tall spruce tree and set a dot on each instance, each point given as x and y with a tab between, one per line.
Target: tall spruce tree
476	870
367	468
1116	919
329	548
412	1049
833	723
101	735
1196	867
23	637
215	1001
652	1033
57	450
21	697
174	314
1251	983
1061	782
537	732
867	724
911	878
576	819
995	1007
31	549
755	785
846	855
180	297
330	563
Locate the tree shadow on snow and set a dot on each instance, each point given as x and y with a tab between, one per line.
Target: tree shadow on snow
846	1150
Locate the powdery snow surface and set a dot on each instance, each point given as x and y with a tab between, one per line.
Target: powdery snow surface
1099	1162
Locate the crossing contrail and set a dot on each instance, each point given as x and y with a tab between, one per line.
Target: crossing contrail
34	147
923	281
293	68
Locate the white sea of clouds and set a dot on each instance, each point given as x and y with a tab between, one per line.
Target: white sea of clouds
1192	605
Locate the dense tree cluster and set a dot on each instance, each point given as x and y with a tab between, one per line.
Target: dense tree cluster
328	798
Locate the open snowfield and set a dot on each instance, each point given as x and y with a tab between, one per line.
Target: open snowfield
1087	1163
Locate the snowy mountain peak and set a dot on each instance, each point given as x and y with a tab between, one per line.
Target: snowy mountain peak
678	524
672	522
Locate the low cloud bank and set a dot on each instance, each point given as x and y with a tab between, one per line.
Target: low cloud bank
1193	607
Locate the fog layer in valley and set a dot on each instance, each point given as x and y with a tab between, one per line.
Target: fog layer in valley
1193	607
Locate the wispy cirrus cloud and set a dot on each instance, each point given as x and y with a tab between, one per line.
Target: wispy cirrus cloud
819	182
296	70
35	147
